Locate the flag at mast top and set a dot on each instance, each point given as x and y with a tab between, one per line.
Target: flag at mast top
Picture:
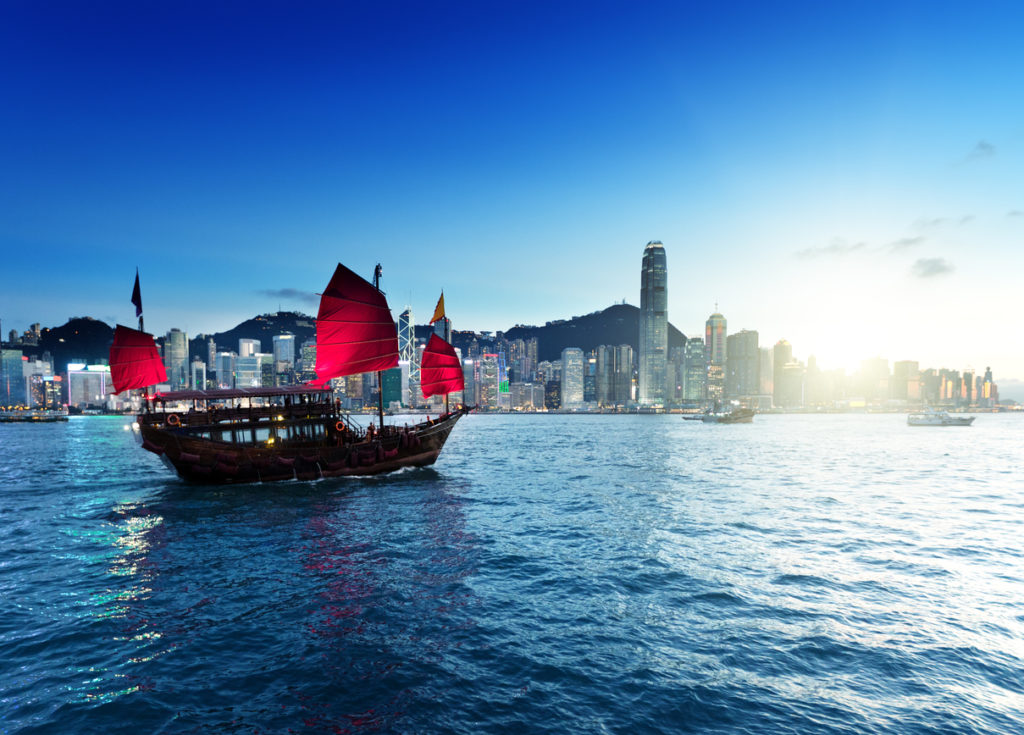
137	295
438	310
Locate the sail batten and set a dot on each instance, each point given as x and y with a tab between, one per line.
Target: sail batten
355	332
440	369
134	360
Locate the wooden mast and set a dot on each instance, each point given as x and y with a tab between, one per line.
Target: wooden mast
380	374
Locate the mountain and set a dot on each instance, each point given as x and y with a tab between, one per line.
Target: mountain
82	339
616	325
264	328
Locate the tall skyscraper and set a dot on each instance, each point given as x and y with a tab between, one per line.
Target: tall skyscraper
653	342
695	372
715	350
248	347
284	348
572	377
176	359
743	366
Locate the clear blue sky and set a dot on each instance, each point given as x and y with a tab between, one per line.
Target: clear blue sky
844	175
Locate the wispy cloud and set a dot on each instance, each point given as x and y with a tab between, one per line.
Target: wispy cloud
981	150
1015	213
931	267
837	248
291	294
904	243
966	219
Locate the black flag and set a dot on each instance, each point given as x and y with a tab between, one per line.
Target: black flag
137	295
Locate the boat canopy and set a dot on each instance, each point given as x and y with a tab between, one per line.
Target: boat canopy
355	332
134	360
440	369
220	394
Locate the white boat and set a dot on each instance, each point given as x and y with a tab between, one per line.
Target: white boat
931	417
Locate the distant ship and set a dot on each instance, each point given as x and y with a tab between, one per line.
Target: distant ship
268	434
33	416
931	417
734	416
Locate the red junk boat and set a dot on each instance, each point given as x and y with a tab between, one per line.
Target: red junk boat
296	432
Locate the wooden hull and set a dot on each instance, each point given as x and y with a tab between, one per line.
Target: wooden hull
204	461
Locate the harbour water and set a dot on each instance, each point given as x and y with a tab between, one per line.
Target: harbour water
620	574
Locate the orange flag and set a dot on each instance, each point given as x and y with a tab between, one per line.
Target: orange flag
439	309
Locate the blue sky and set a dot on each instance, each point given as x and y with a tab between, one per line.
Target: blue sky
847	178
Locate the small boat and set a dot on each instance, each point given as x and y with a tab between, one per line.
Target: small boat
734	416
931	417
243	435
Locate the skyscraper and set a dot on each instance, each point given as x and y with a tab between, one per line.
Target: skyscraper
572	377
653	342
743	366
715	349
176	359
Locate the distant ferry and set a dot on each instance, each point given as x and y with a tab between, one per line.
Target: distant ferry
735	416
931	417
32	416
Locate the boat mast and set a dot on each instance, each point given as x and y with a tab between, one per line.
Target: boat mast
448	339
380	374
137	300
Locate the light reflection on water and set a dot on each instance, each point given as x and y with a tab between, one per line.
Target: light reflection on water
802	574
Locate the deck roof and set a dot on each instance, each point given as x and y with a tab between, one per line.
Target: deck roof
228	393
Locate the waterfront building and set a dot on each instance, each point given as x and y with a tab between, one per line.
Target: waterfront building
176	359
248	372
13	391
765	373
715	355
211	358
873	380
906	381
572	377
743	365
782	354
489	381
471	379
653	336
694	371
307	374
88	385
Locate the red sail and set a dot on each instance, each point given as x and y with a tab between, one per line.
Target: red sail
134	361
354	329
440	369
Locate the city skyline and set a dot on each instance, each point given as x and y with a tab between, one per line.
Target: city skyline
849	182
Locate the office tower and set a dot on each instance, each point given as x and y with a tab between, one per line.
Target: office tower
249	347
489	381
653	337
906	385
308	373
443	328
715	350
572	377
284	348
198	381
765	372
211	357
225	362
782	354
873	383
176	359
88	385
407	351
694	371
742	368
605	356
13	391
622	380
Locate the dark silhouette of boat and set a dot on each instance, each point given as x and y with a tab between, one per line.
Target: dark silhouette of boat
295	432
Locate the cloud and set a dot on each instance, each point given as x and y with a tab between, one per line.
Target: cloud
930	222
966	219
1015	213
981	150
837	248
904	243
931	267
291	294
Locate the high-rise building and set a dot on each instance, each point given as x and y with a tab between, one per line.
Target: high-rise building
225	362
695	372
715	351
407	350
782	355
906	381
249	347
284	348
766	372
13	391
198	381
572	377
176	359
742	368
653	337
88	385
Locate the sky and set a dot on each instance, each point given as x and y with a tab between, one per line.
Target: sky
846	176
